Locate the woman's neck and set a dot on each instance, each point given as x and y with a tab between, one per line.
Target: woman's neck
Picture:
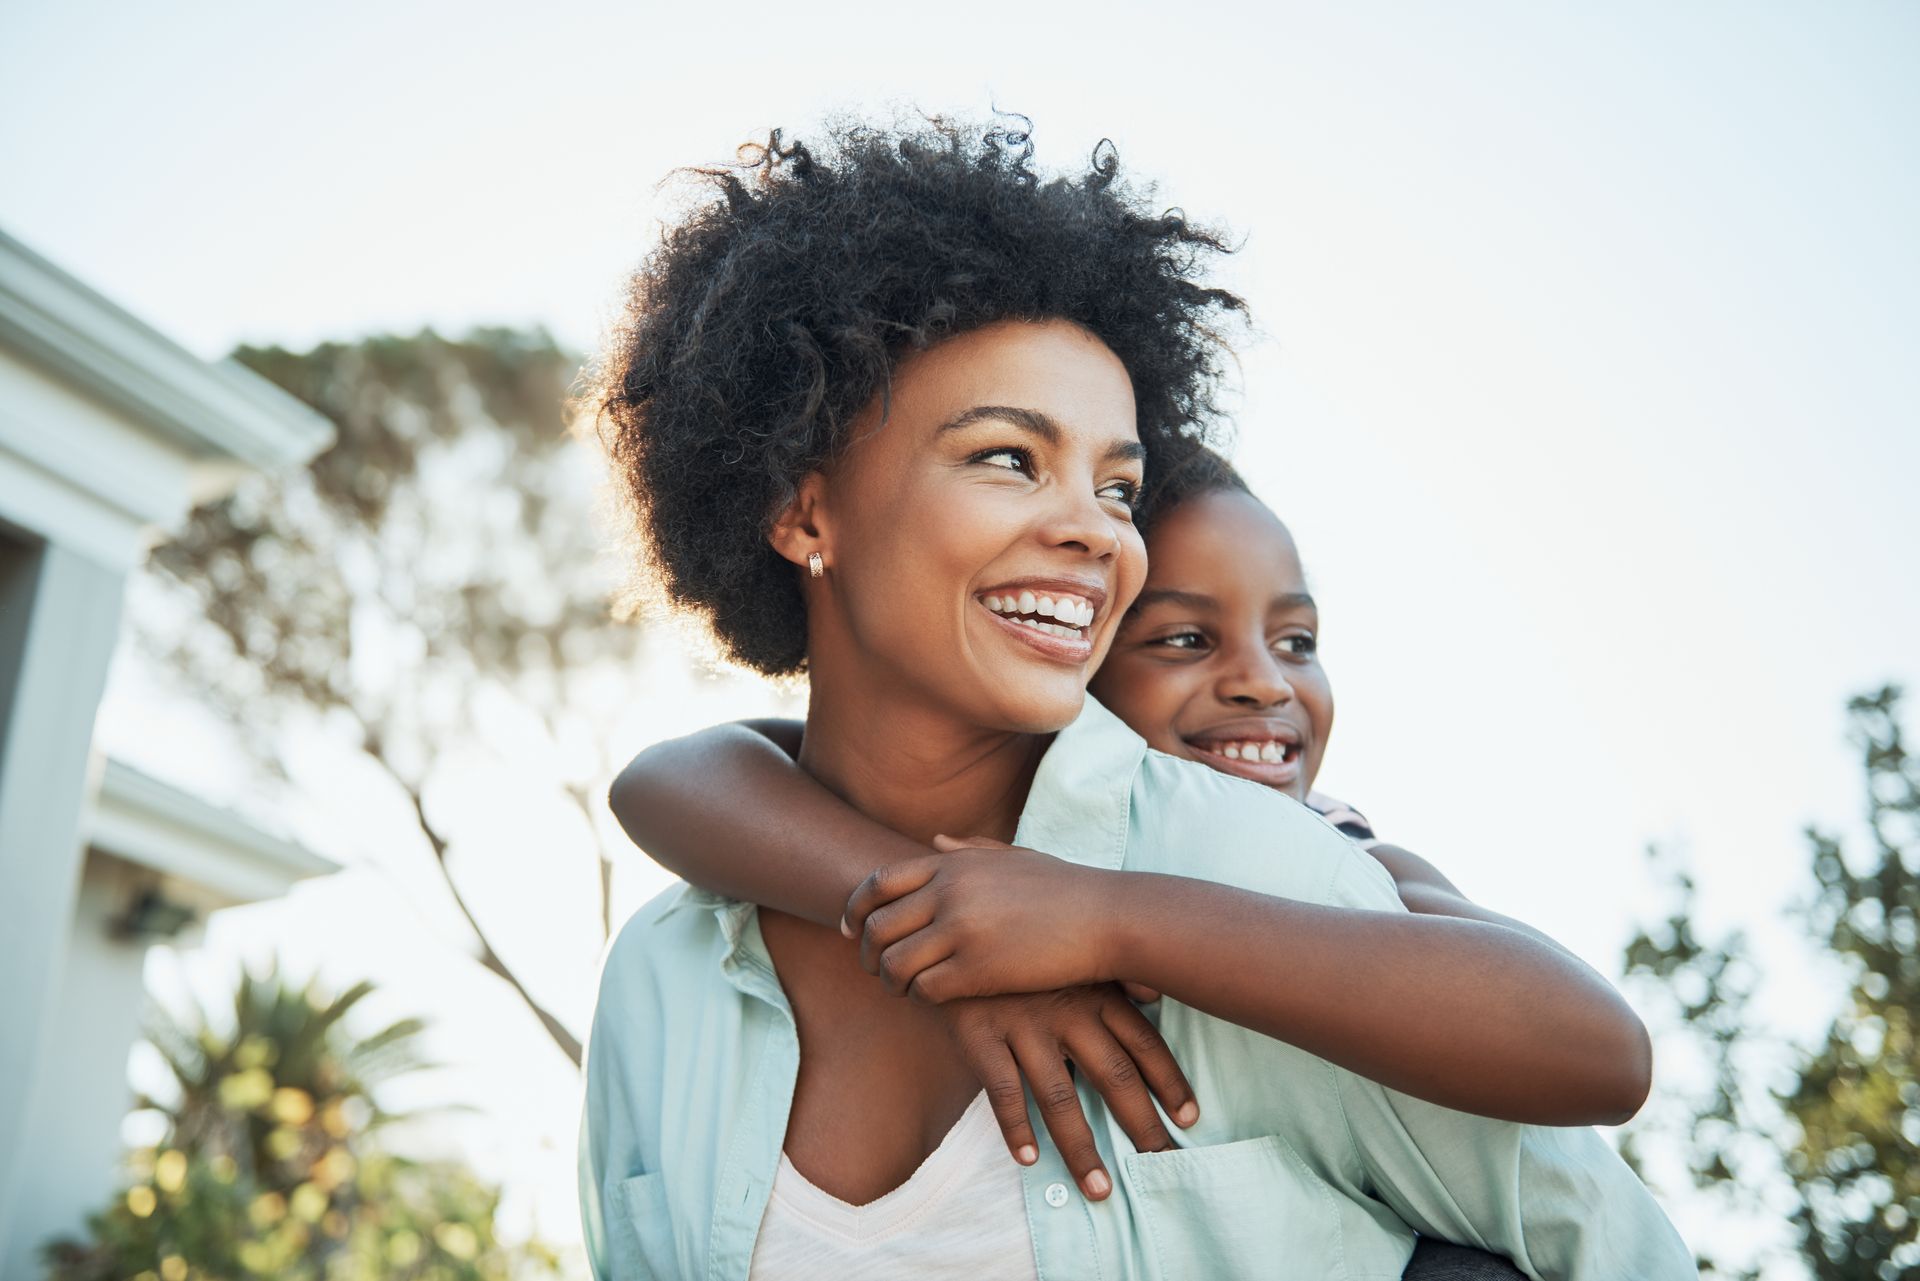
915	769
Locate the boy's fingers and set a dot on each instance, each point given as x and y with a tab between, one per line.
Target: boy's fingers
999	1075
1111	1070
938	983
899	965
1141	992
883	885
892	923
1045	1068
1154	1057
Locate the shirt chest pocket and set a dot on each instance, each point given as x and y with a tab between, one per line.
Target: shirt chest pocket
1246	1209
642	1234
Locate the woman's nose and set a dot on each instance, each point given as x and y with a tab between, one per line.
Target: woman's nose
1080	523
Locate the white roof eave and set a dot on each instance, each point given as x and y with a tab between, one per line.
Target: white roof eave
211	410
142	820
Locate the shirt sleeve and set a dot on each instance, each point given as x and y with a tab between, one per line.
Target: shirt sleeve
1557	1201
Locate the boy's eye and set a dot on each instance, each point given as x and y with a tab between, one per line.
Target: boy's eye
1180	640
1304	643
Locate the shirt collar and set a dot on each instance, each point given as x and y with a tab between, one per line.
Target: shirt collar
1081	796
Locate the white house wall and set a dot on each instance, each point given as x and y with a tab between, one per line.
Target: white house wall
74	1130
64	611
108	432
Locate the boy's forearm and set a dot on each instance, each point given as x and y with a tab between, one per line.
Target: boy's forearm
1423	888
729	811
1466	1014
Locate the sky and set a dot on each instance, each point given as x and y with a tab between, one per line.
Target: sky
1582	364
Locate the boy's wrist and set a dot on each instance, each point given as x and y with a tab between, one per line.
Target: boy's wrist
1118	908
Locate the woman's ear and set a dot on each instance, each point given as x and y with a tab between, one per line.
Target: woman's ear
800	530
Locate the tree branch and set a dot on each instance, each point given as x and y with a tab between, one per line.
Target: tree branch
569	1044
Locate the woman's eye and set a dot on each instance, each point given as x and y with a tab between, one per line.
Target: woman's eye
1122	491
1304	643
1010	458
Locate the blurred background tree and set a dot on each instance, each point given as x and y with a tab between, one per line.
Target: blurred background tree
441	552
270	1164
1829	1134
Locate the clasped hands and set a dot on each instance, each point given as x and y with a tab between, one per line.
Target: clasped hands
1018	950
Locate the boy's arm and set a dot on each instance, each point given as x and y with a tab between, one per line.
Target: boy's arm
1464	1013
1424	1003
1423	888
728	810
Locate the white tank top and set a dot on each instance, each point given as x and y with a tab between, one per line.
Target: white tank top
961	1215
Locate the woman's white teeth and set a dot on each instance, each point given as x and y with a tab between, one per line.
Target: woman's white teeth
1072	613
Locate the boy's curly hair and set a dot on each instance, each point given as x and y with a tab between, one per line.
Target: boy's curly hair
1203	471
774	312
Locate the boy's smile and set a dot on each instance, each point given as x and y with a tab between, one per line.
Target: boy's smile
1218	661
1264	749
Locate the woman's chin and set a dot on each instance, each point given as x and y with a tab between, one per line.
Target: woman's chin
1041	710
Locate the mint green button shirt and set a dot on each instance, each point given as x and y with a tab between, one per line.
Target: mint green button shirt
1296	1168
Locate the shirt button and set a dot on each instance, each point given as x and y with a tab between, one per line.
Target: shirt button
1056	1195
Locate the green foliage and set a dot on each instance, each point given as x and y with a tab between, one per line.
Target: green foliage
1839	1135
270	1166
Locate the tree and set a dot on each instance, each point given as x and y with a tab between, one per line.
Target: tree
270	1164
441	547
1841	1133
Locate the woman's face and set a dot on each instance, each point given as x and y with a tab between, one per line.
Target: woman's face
1218	661
979	545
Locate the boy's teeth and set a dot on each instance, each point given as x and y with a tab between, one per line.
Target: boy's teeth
1270	752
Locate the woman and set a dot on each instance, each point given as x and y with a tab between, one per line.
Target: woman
1217	661
920	379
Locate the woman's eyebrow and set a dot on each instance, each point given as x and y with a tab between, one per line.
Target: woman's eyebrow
1028	420
1035	423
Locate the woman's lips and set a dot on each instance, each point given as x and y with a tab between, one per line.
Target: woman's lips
1074	649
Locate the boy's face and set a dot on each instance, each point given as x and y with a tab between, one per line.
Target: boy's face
1218	661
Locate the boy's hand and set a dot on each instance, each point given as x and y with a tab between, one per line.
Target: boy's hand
980	919
1004	1038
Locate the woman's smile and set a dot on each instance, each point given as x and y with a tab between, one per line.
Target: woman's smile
1052	616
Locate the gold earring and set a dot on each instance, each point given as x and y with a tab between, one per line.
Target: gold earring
814	565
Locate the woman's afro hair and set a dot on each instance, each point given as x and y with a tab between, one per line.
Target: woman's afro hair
774	312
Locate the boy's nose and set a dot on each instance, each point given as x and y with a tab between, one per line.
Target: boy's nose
1256	683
